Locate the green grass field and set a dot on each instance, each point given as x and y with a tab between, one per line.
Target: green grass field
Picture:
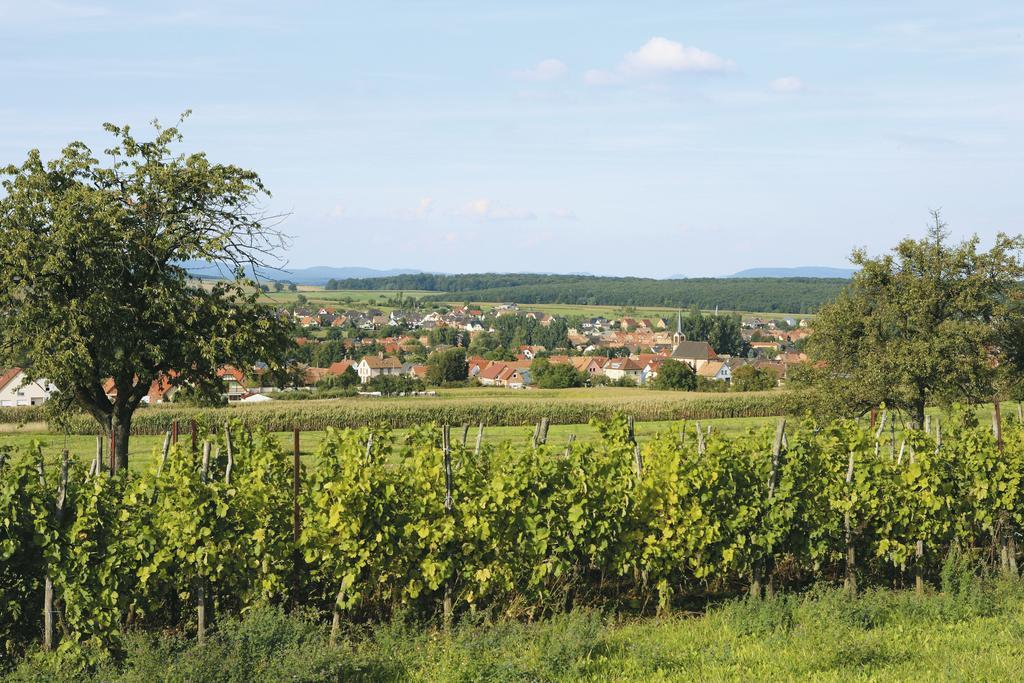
973	634
143	448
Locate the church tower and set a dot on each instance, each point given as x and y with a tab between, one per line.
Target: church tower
679	336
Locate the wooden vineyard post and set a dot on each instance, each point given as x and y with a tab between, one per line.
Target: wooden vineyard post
48	612
918	551
850	582
764	566
195	435
568	446
540	433
174	431
938	434
479	439
113	454
163	453
446	448
97	463
874	416
878	432
701	446
201	587
1008	550
638	460
997	424
231	453
296	474
465	435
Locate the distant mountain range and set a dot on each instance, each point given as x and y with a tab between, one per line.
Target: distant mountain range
314	275
319	275
800	271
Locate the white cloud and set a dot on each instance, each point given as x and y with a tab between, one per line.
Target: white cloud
788	84
486	209
544	70
657	57
338	211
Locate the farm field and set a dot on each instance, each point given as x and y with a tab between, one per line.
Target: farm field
363	297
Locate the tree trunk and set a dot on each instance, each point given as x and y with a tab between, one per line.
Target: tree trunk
917	414
121	427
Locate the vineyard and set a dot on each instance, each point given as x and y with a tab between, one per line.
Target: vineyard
438	526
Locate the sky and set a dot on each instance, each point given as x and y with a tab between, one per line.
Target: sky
618	138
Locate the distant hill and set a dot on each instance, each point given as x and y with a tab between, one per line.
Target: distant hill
800	271
314	275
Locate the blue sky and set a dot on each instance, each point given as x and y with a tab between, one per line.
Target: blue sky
647	138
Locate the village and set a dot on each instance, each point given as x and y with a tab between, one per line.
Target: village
625	351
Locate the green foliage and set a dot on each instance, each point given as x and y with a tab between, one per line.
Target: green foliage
346	380
447	365
391	385
94	284
921	325
790	295
752	378
528	532
549	375
673	374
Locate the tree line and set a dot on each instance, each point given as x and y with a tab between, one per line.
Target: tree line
784	295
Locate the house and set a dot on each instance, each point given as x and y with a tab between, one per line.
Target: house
617	368
530	352
694	353
311	375
651	368
14	391
375	366
488	376
338	368
592	365
161	390
235	383
476	364
716	370
514	375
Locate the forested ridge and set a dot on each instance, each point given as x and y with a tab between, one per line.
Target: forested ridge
789	295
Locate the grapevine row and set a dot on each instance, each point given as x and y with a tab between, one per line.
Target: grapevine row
433	524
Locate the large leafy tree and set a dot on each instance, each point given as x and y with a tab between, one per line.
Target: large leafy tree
922	324
93	284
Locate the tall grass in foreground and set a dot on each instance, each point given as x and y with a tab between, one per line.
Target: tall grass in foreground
970	631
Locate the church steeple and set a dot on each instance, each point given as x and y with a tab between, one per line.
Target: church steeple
679	336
